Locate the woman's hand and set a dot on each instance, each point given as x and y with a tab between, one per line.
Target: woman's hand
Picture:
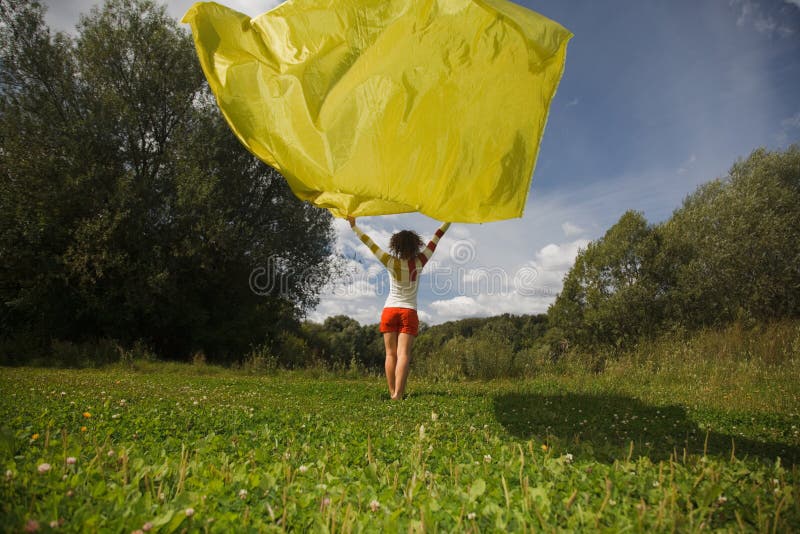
352	221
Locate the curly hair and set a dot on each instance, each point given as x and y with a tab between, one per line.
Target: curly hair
405	244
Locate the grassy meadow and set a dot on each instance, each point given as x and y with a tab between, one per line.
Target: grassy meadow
163	447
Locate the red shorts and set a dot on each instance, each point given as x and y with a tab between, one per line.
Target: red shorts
403	320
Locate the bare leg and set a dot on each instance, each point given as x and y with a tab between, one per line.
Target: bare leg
405	342
390	341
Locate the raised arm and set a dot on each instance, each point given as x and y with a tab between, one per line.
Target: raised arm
428	251
379	253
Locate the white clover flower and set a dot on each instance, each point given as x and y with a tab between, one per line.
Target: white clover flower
147	527
44	468
374	505
487	458
722	499
9	473
568	458
189	512
111	452
242	493
471	516
656	483
302	468
54	523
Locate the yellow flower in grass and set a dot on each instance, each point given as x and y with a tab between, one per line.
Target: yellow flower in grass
544	447
83	429
87	415
35	437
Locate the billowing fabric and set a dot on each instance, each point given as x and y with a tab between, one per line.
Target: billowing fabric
373	107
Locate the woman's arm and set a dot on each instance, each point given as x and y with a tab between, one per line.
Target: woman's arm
379	253
428	251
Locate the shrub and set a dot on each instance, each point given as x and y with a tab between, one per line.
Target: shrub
260	360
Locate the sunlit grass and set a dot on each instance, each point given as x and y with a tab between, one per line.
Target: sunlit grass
307	450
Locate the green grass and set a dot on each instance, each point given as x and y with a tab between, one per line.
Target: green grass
635	448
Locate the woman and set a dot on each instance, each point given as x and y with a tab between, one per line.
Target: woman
399	321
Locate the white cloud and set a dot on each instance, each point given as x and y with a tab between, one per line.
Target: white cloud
571	229
514	266
746	11
250	7
750	11
794	120
765	24
456	308
529	288
789	129
62	15
504	279
559	258
686	165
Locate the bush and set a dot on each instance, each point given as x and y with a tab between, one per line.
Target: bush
260	360
485	355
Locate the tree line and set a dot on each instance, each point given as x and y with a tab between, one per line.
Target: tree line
128	210
132	222
730	253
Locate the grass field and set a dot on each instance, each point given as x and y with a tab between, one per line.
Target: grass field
172	448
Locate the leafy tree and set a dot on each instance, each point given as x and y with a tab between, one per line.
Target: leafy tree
730	252
39	147
740	238
612	295
129	209
340	339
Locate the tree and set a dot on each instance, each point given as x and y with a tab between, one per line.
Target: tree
740	238
39	140
129	208
613	294
730	252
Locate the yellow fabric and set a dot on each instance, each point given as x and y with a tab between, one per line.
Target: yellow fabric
373	107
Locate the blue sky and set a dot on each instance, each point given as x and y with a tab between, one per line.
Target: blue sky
657	98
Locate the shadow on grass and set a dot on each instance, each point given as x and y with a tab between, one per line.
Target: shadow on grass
604	426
